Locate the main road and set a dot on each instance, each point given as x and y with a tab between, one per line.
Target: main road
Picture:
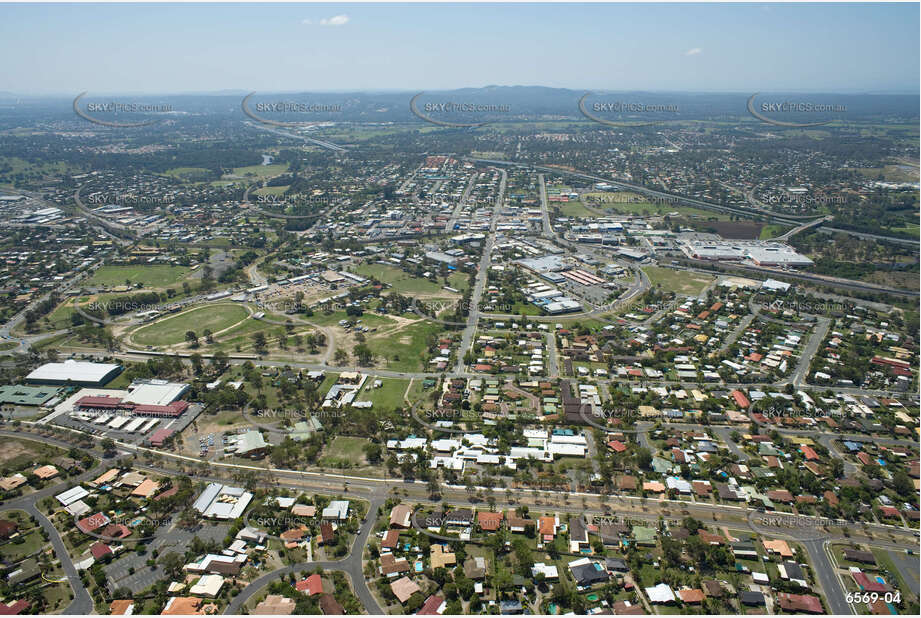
482	276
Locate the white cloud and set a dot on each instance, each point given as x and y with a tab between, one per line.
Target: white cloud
336	20
693	51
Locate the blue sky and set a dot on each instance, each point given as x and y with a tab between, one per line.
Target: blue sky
63	49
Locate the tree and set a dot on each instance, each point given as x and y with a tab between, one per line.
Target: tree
172	564
341	357
364	354
192	338
643	458
108	446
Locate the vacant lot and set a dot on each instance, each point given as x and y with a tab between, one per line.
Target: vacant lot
153	275
388	396
344	452
575	209
678	281
172	329
403	349
403	283
16	455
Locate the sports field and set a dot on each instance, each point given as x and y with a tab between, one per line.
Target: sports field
172	329
678	281
148	275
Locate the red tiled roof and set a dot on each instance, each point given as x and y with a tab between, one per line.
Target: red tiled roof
100	549
312	585
93	522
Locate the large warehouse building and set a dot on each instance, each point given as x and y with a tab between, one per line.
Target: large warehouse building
80	373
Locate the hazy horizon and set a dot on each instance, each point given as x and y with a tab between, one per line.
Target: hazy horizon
201	49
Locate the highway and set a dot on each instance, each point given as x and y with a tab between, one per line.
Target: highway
689	201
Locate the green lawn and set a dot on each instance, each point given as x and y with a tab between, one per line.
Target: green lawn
402	282
369	319
575	209
188	174
344	452
404	351
260	171
772	231
149	275
606	200
172	329
678	281
388	396
270	191
459	281
30	543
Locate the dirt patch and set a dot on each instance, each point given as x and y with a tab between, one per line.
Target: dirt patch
12	449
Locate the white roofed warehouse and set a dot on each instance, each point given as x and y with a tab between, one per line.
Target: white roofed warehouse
81	373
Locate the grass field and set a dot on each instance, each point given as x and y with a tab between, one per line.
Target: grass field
643	208
404	351
270	191
402	282
678	281
254	172
575	209
772	231
148	275
188	173
31	542
388	396
459	281
172	329
344	452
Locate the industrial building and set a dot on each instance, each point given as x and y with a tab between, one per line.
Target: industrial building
74	372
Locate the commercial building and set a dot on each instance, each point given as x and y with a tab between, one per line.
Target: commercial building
222	501
74	372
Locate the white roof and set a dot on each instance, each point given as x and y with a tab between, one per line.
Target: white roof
549	570
222	501
660	593
156	393
78	508
208	585
337	509
575	450
445	445
408	443
78	371
72	495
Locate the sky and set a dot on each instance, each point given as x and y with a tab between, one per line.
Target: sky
162	49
